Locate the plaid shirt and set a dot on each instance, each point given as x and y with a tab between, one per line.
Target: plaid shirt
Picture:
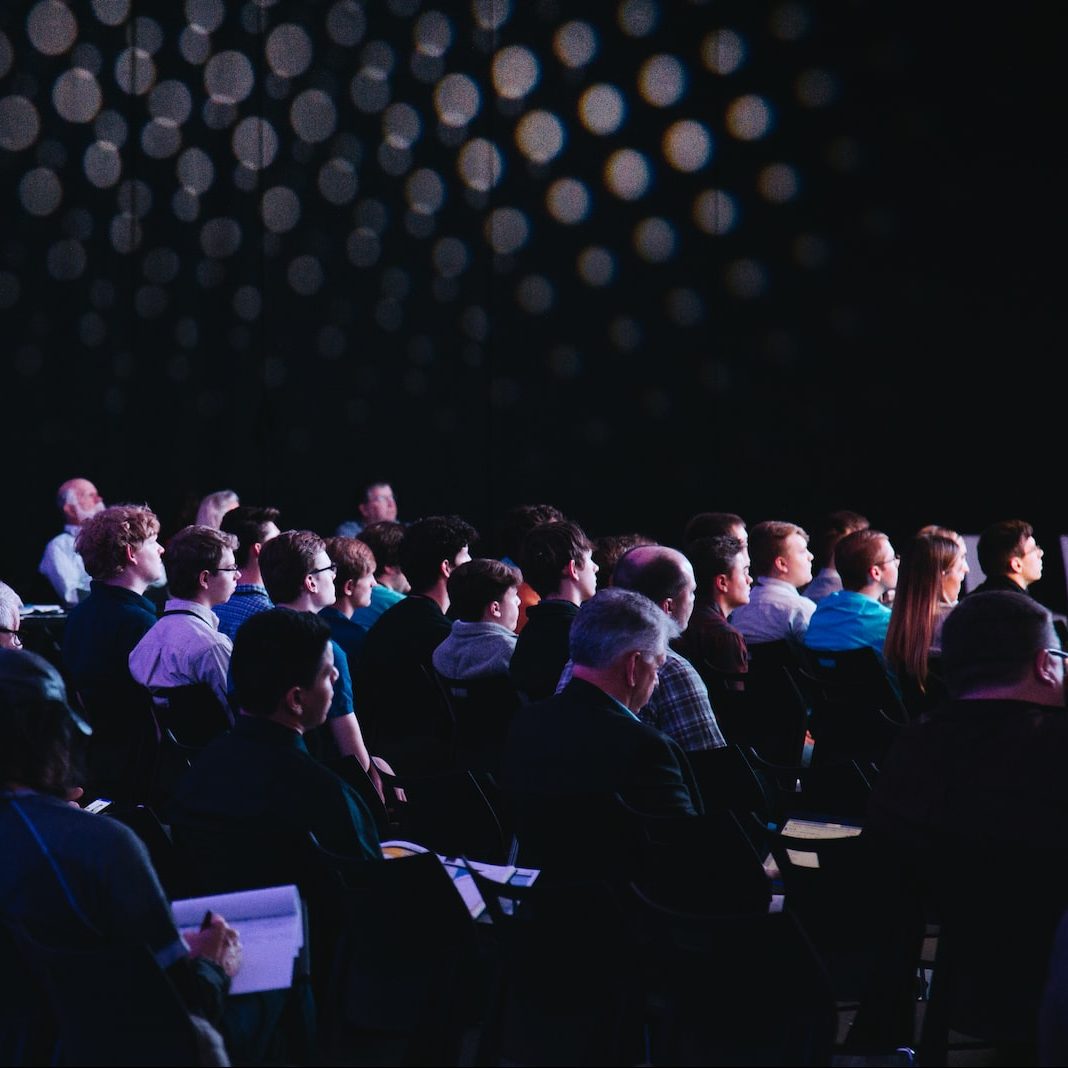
246	601
679	706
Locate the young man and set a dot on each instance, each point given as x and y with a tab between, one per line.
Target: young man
783	565
557	560
185	646
485	601
79	500
721	567
1010	557
253	527
384	540
834	528
354	582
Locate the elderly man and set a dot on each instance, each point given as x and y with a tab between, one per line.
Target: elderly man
186	646
10	619
377	504
78	500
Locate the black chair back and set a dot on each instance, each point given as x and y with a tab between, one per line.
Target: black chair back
482	711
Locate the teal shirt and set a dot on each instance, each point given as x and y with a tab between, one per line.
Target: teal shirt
848	620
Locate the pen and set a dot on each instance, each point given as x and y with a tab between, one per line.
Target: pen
206	922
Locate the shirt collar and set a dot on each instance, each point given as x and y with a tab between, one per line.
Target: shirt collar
779	584
179	604
72	529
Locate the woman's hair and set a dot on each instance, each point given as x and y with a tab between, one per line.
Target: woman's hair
919	592
214	506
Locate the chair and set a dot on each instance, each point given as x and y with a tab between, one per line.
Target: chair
187	718
351	770
109	1004
122	752
174	875
482	711
835	793
773	715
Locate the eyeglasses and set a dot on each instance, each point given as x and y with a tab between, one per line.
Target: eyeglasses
1059	653
16	640
320	570
216	570
895	559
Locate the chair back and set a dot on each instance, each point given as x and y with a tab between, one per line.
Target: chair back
773	716
482	711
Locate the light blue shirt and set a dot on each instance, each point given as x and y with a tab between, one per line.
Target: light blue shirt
848	620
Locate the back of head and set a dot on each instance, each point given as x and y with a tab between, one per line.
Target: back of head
103	540
214	506
384	540
273	652
653	570
519	521
991	640
767	542
834	527
10	603
856	553
615	622
249	524
286	561
427	542
609	550
1000	542
713	556
192	550
711	525
353	558
37	728
548	549
477	584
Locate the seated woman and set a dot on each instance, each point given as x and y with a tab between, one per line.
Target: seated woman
929	582
72	879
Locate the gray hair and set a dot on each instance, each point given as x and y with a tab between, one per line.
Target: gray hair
10	603
614	622
214	506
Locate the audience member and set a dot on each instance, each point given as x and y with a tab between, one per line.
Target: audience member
721	568
1009	556
10	618
557	561
214	506
391	584
518	522
354	582
121	550
832	530
609	550
78	500
782	564
253	527
484	598
377	504
399	697
855	616
715	525
185	646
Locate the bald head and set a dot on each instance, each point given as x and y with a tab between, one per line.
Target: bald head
664	575
79	500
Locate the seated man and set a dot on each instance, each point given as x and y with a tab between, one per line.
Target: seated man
78	500
261	772
557	560
185	646
1010	557
403	707
721	568
587	741
715	525
855	616
484	595
391	584
253	527
354	582
515	525
782	564
377	504
834	528
121	550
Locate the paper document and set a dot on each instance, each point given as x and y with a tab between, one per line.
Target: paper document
814	829
270	923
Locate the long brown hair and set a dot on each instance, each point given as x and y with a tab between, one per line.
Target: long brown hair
919	592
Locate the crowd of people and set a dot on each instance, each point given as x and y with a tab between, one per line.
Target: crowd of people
609	646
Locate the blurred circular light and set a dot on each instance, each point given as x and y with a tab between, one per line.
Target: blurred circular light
146	33
601	108
313	116
205	15
816	88
76	95
7	55
778	183
363	247
280	208
746	279
534	294
506	230
449	257
433	34
111	12
220	237
687	145
337	181
228	77
19	123
186	205
749	117
40	191
456	99
575	44
568	201
134	197
255	143
626	174
161	138
306	275
723	51
51	27
134	71
125	233
102	164
714	211
654	240
637	18
288	50
480	164
401	125
491	14
425	191
346	23
195	170
515	72
195	45
540	136
370	90
596	266
170	100
661	80
110	126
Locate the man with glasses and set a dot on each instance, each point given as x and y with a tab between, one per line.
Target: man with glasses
1009	556
377	504
185	646
857	615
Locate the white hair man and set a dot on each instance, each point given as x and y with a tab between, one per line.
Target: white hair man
78	499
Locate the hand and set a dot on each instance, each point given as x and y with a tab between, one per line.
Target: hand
74	795
219	943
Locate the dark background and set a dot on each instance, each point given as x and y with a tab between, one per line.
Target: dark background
888	338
